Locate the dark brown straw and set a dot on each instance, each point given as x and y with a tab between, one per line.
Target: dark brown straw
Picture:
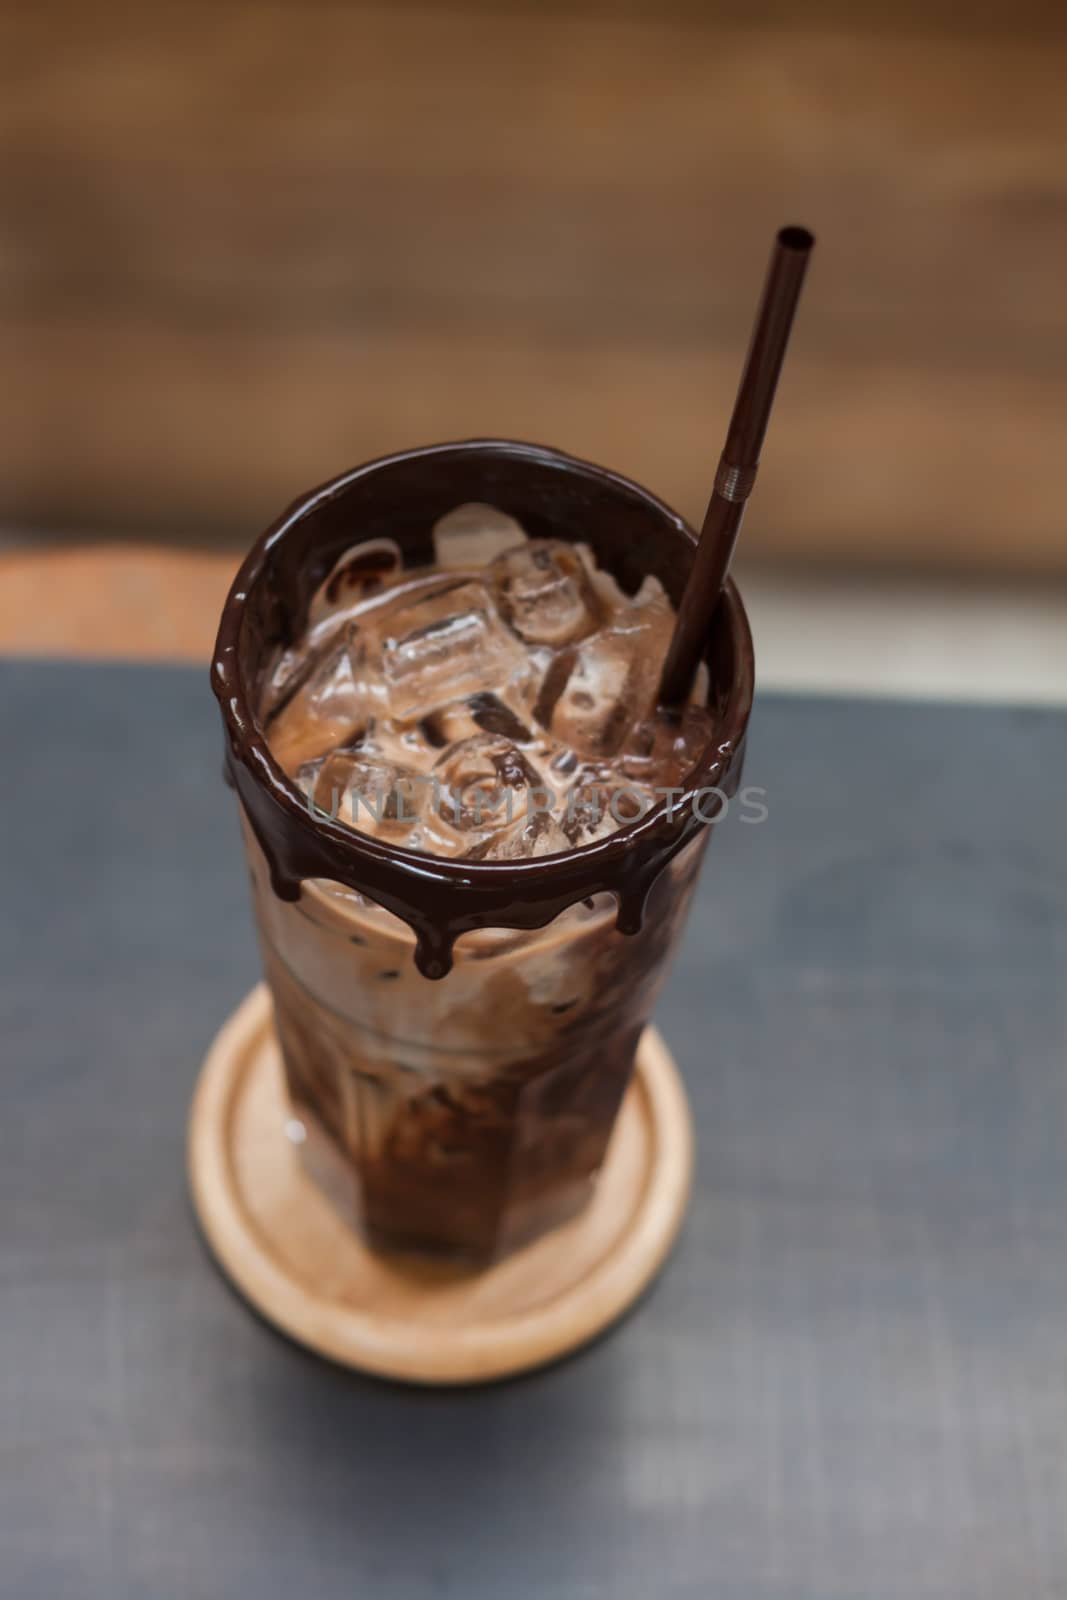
738	463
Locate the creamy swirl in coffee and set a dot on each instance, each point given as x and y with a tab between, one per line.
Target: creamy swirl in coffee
498	704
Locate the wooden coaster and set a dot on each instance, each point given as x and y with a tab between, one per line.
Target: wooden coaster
304	1268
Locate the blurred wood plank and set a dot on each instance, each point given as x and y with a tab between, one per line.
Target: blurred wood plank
227	271
863	462
113	601
984	17
351	165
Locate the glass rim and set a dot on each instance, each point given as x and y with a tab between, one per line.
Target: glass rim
247	742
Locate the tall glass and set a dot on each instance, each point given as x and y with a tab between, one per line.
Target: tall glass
457	1037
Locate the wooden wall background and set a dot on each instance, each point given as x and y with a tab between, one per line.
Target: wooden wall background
247	243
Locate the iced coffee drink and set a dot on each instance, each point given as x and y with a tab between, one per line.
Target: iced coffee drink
470	828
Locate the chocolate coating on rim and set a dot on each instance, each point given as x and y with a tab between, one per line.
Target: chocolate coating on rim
554	496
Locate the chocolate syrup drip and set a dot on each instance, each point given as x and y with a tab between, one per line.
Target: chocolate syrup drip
401	497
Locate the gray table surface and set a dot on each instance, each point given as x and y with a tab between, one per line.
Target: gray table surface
851	1380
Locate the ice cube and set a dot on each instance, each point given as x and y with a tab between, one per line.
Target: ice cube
594	698
443	644
536	835
280	679
362	571
599	801
484	712
485	783
328	701
368	791
543	591
611	595
663	749
473	534
594	692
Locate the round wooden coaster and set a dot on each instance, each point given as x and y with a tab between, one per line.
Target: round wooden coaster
303	1267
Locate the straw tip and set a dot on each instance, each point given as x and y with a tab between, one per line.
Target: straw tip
794	238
